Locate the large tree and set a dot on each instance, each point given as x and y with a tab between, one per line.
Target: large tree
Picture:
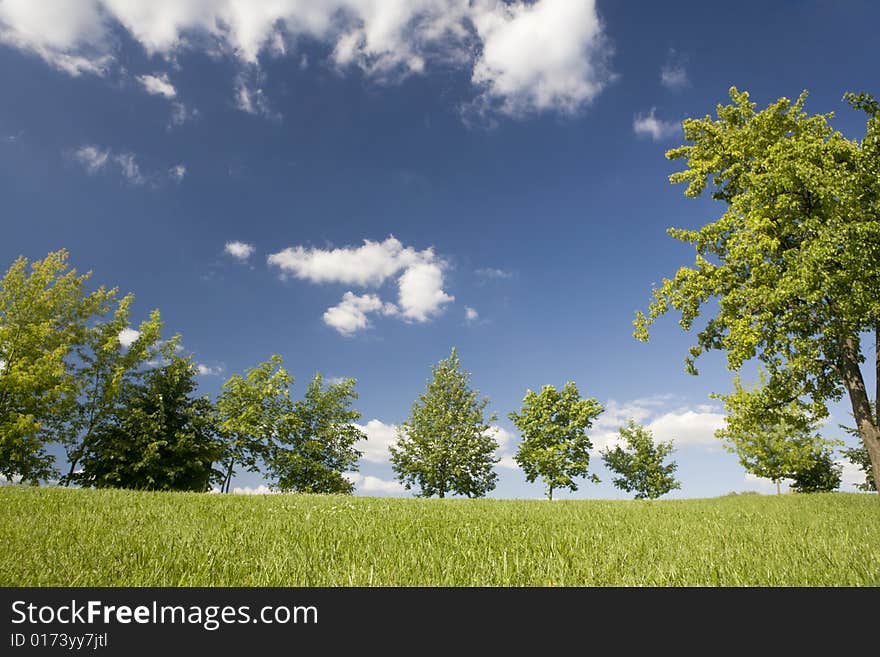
639	466
446	445
44	313
159	437
252	411
555	445
316	445
794	260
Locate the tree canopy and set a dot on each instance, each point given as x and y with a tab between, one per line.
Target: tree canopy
316	445
160	437
794	260
446	445
44	313
639	466
555	445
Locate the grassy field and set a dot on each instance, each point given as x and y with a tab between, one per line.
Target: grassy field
59	537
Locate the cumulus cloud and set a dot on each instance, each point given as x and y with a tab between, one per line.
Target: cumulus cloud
551	54
380	437
350	314
367	265
420	280
207	370
371	484
157	85
127	336
684	426
851	475
421	291
653	127
241	251
470	314
523	57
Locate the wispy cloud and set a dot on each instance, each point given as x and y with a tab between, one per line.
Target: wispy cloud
673	74
95	159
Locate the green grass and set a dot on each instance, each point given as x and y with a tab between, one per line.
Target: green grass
60	537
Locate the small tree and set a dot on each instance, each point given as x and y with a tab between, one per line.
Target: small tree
446	446
160	438
640	466
316	446
44	311
101	368
555	445
820	475
773	443
252	411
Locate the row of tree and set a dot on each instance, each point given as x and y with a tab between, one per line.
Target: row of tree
123	405
793	262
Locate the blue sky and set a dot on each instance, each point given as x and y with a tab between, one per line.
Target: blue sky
359	186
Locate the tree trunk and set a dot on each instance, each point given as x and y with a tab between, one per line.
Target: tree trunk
228	479
550	494
858	396
70	473
778	489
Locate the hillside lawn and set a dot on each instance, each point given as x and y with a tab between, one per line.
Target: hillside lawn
66	537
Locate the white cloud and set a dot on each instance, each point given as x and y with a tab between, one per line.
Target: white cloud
129	168
380	437
491	272
650	125
206	370
766	485
371	484
688	428
673	74
250	98
547	55
350	314
127	336
420	283
180	113
851	475
241	251
508	463
262	489
421	291
470	314
177	172
158	85
91	157
368	265
68	34
523	57
685	427
95	159
502	436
